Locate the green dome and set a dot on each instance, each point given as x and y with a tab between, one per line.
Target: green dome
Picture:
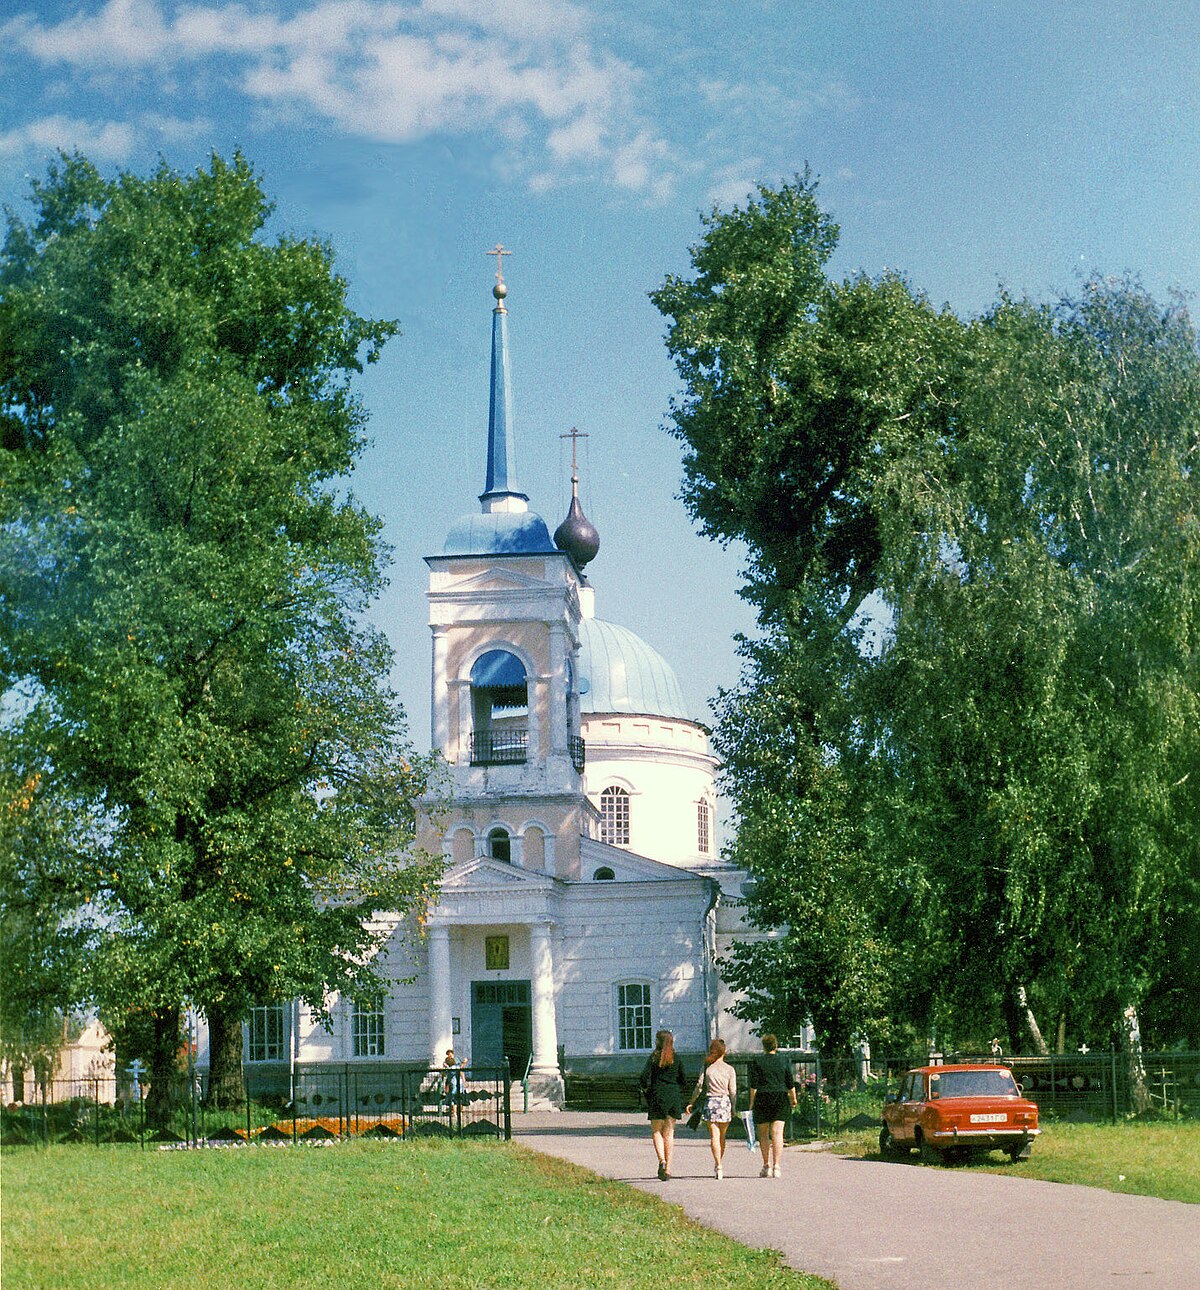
624	674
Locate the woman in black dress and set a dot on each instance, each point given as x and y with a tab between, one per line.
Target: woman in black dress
772	1089
662	1084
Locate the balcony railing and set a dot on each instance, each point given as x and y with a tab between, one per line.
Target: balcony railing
499	747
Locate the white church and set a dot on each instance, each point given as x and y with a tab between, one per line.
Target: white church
584	905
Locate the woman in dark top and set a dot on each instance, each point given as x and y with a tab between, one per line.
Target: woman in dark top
663	1083
772	1089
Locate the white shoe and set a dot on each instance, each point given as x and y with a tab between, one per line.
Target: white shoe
775	1172
720	1175
765	1171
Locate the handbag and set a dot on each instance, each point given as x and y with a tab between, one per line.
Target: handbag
694	1119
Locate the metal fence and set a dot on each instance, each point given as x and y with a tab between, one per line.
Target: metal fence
320	1103
836	1093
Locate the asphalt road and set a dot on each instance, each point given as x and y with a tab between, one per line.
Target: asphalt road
871	1225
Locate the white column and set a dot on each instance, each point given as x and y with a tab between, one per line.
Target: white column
440	1025
545	1031
550	868
439	695
557	743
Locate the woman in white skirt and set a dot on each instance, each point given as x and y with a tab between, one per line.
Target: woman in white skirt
718	1083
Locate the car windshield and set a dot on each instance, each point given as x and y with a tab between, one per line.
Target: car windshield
972	1084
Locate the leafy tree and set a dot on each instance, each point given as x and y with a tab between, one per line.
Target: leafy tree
797	391
1039	696
183	577
43	930
798	394
995	800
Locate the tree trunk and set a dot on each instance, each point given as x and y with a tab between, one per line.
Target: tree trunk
1024	1034
164	1067
226	1091
1135	1066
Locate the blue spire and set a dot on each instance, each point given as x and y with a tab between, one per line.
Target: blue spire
501	491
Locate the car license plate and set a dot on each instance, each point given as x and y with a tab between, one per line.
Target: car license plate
997	1118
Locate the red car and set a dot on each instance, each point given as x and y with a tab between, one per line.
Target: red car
950	1111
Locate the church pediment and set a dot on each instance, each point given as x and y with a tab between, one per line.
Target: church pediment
492	579
483	872
628	866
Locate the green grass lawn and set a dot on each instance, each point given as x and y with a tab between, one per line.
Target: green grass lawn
414	1214
1157	1159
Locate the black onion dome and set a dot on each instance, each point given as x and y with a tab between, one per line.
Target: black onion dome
577	535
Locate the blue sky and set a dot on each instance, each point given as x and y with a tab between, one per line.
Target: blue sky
969	144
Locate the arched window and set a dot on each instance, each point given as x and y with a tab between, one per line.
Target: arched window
614	816
499	709
603	874
703	828
499	845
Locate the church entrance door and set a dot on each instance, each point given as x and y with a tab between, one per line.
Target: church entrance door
501	1024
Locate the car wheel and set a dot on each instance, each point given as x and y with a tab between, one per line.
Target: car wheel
889	1148
1023	1152
930	1155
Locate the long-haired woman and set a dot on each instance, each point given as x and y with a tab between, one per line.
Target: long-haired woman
662	1084
718	1083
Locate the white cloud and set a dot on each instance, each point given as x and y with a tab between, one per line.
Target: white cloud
125	33
395	72
733	185
101	141
639	163
581	138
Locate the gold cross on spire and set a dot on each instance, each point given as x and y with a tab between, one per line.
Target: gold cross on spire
498	251
574	436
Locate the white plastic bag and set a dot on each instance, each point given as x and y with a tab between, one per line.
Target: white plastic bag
748	1121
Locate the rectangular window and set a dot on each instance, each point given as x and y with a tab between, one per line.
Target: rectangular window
495	953
703	838
265	1027
500	991
633	1015
368	1026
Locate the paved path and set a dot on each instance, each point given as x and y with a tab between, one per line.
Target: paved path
867	1224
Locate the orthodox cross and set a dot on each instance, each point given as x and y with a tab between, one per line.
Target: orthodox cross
498	252
574	436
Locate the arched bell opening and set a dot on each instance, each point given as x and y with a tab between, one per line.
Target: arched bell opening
499	845
499	709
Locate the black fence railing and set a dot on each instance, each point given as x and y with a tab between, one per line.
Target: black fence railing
318	1102
499	747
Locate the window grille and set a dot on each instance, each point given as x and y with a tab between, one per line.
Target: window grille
265	1033
500	992
614	816
368	1027
633	1015
703	830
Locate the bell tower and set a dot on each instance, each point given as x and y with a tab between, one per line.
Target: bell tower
504	612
